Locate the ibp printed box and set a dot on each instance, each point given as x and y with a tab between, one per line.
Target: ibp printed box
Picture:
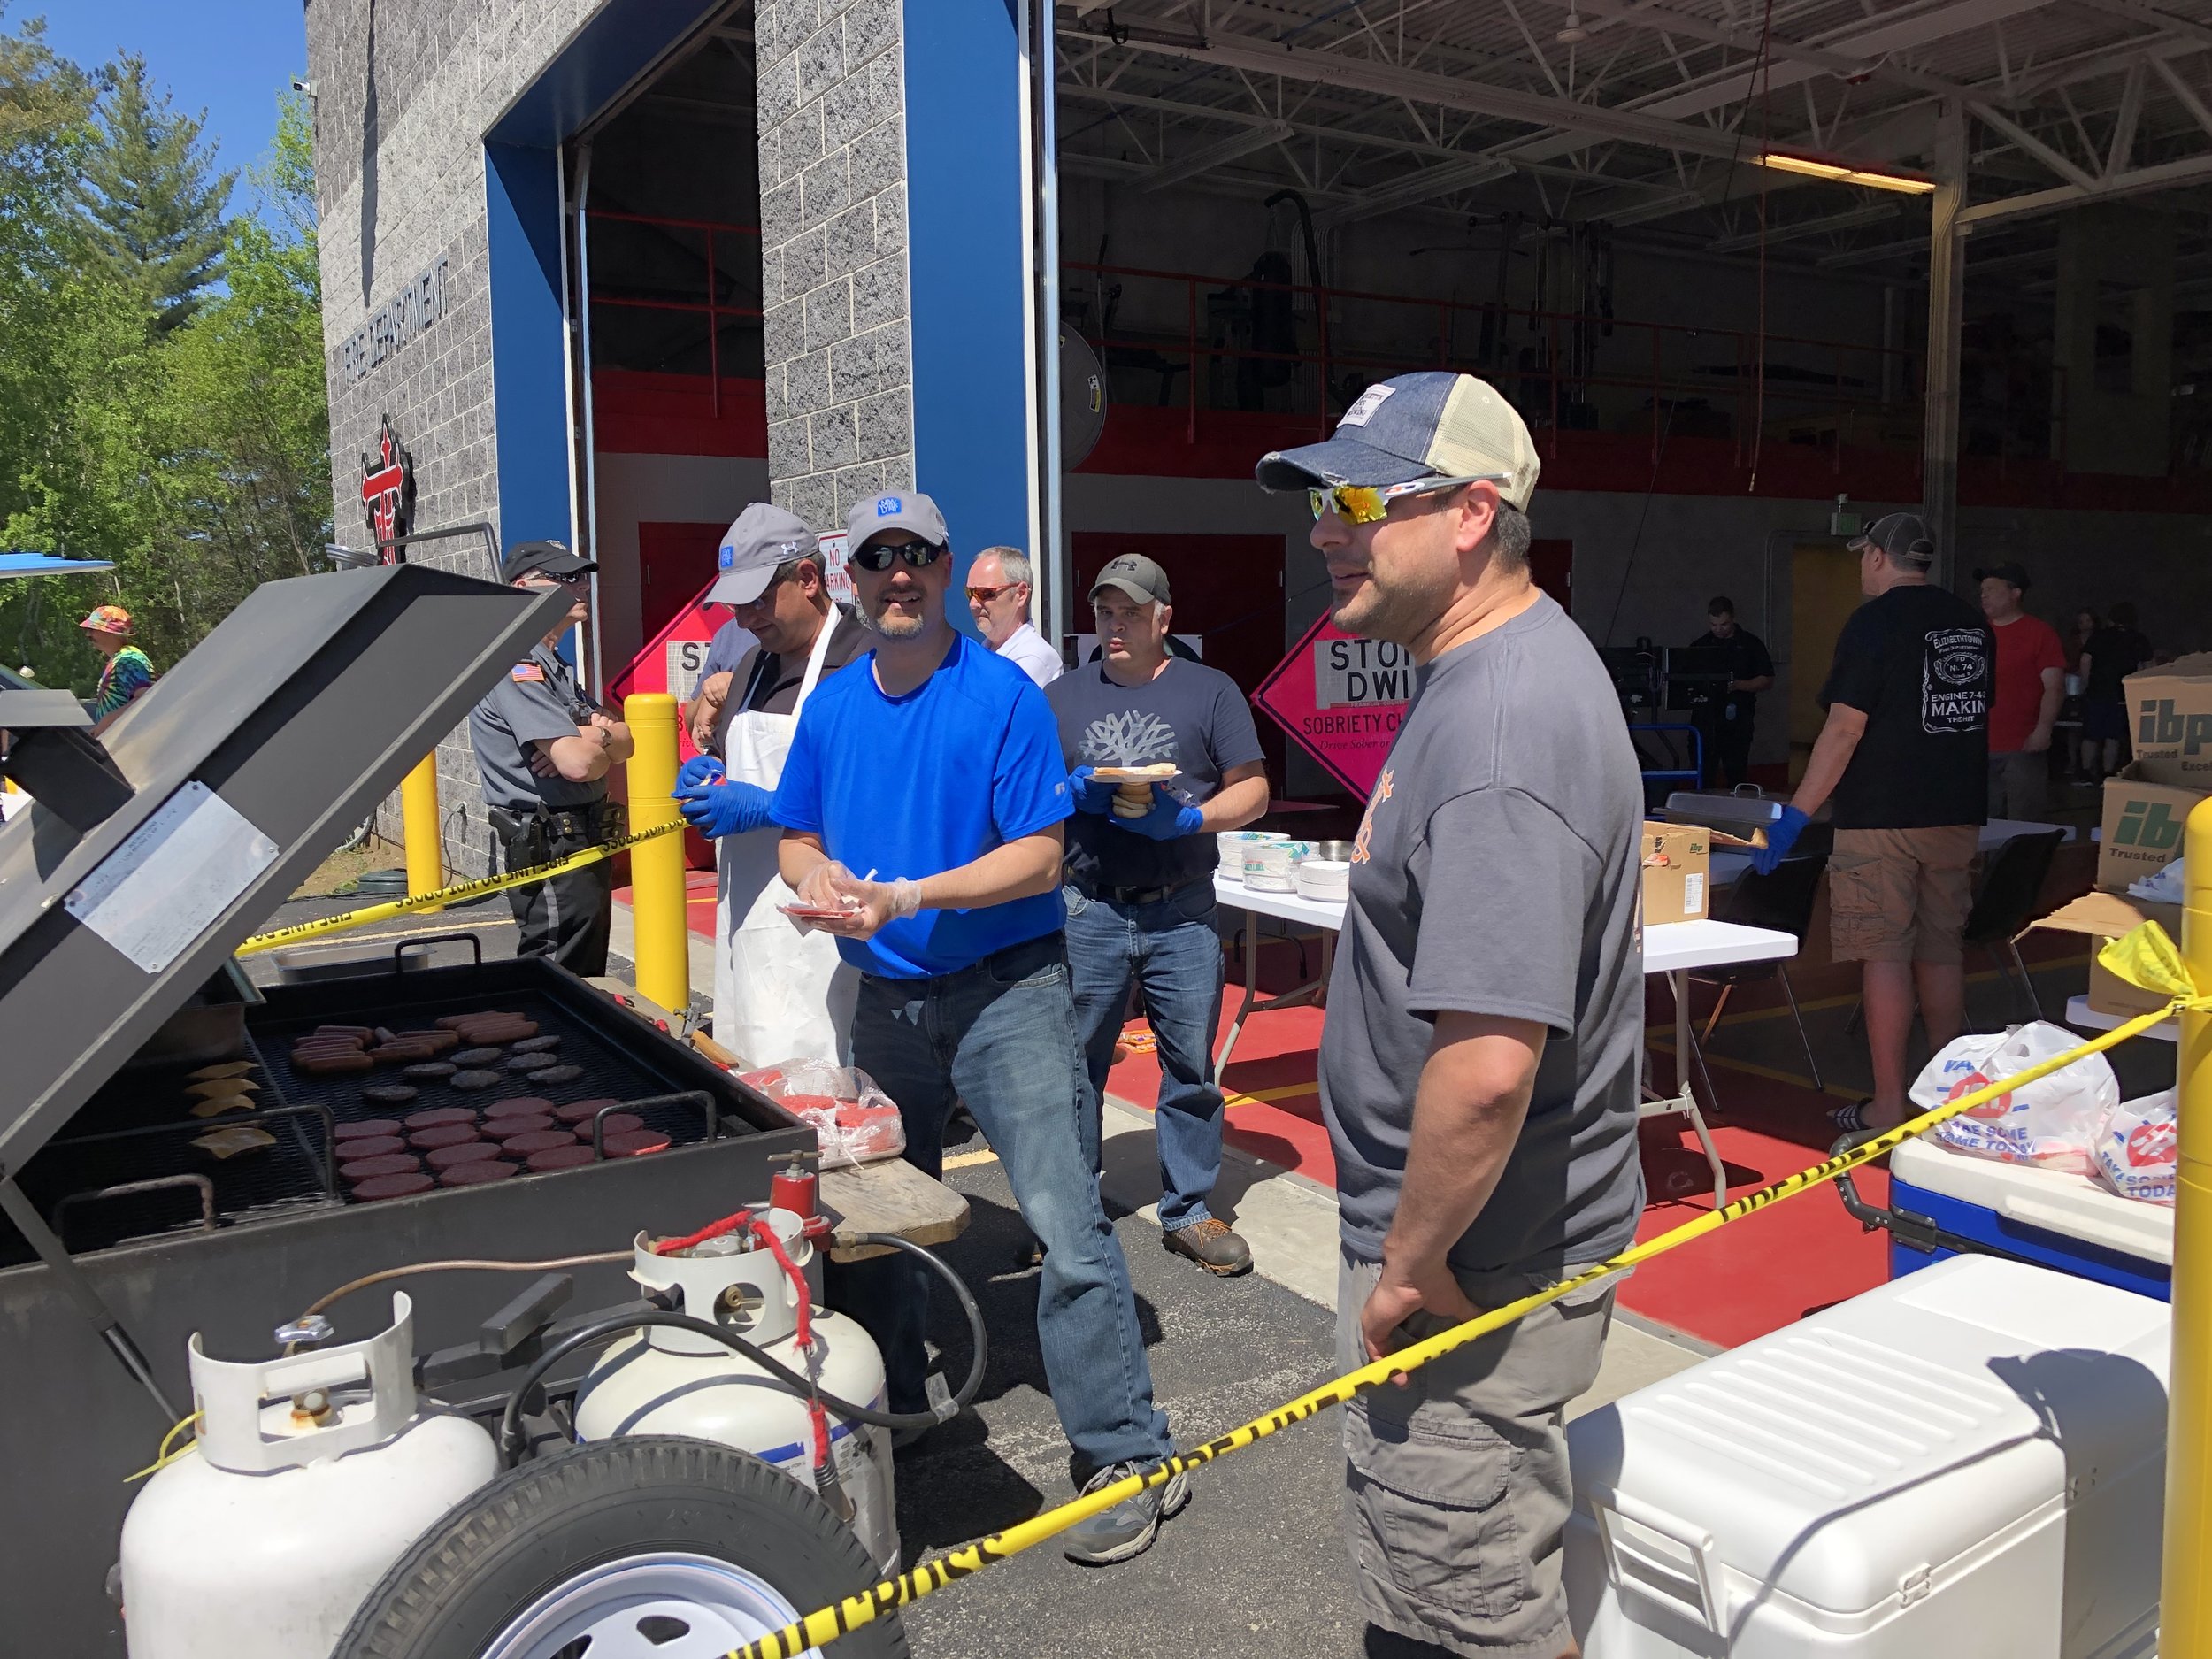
2142	822
2171	712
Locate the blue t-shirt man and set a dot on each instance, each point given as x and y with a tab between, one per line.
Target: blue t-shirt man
917	785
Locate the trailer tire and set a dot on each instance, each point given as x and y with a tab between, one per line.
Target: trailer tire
490	1560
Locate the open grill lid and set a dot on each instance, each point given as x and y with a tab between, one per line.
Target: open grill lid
154	851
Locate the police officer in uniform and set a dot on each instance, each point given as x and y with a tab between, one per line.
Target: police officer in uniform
544	750
1725	714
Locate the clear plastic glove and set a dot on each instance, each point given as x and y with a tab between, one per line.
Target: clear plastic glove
880	902
1169	820
724	809
1781	836
827	887
1090	794
698	770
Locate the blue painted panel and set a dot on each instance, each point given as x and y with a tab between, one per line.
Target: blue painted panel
968	266
601	59
529	389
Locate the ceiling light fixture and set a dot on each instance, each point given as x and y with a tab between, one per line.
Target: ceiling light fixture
1571	32
1844	172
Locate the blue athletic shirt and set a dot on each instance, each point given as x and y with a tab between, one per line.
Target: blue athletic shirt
917	785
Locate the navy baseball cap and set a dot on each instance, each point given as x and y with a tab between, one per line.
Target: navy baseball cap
764	539
542	558
1431	425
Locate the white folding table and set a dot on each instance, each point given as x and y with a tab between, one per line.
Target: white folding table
1673	948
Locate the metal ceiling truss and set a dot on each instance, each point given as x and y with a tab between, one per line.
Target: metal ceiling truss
1652	113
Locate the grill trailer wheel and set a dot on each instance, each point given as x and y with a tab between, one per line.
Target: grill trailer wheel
650	1547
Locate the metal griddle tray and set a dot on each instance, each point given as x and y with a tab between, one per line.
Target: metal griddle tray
247	764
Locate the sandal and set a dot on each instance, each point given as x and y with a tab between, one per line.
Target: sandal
1851	1119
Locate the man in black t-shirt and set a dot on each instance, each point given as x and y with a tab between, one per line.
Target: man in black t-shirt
1139	890
1726	716
1904	755
2109	657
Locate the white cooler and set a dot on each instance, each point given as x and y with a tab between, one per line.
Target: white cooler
1968	1461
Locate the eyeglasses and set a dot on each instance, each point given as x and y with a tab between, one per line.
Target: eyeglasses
574	579
1363	503
877	555
984	596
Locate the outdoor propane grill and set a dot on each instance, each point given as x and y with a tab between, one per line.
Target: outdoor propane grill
125	1166
147	856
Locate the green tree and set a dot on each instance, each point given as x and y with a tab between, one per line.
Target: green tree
151	201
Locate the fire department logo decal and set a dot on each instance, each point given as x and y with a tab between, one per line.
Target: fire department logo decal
387	492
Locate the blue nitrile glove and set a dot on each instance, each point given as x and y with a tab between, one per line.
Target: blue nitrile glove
1090	794
1169	819
724	809
698	770
1781	836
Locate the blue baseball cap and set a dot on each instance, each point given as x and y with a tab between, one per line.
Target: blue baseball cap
764	539
1431	425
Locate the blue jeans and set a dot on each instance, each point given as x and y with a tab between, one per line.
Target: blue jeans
1169	947
1001	1036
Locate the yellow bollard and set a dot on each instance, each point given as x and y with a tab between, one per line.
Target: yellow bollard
656	867
2186	1603
420	828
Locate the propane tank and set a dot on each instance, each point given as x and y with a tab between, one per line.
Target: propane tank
664	1382
312	1475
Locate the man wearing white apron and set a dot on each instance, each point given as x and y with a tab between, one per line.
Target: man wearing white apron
779	994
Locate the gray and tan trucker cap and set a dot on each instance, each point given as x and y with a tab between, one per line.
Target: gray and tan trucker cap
1430	425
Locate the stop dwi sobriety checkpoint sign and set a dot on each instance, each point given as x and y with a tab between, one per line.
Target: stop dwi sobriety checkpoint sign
1341	698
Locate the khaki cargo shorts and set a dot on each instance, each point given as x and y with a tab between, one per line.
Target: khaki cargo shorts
1456	1487
1900	894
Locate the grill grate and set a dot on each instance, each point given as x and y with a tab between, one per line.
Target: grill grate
138	1128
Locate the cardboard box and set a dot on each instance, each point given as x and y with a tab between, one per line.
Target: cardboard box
2171	711
2102	917
2142	822
1677	861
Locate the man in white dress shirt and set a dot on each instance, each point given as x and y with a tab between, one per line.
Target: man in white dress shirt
998	599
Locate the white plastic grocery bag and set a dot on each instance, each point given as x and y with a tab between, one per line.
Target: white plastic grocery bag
2052	1121
2138	1149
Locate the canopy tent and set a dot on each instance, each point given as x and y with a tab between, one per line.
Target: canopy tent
49	565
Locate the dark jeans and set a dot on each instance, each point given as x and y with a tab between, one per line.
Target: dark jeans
566	918
1001	1036
1727	746
1170	948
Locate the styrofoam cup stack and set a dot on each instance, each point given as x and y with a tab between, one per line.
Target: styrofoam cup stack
1269	865
1325	878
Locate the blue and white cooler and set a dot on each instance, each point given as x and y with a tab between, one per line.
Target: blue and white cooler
2072	1223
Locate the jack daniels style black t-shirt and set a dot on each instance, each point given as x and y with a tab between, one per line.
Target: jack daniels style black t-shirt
1918	662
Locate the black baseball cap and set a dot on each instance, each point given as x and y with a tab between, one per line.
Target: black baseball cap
544	558
1902	535
2012	571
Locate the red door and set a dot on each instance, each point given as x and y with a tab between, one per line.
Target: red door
1552	565
674	561
1228	590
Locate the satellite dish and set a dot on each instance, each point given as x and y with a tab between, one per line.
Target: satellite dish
1082	400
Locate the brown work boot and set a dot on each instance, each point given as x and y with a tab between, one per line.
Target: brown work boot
1213	1246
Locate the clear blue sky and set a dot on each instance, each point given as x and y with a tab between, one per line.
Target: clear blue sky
231	57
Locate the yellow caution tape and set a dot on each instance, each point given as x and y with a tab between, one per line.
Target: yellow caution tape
821	1628
475	889
2146	957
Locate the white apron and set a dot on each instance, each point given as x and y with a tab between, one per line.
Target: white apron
779	994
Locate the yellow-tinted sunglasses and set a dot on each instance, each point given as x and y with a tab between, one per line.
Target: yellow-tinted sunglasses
1364	503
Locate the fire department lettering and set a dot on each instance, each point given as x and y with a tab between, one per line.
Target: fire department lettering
1361	671
1953	678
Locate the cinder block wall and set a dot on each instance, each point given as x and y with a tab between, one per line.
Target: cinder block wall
832	218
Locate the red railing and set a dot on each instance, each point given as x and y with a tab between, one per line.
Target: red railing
711	308
1552	378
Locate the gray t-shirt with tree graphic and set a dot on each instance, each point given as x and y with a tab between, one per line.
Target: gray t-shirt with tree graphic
1187	713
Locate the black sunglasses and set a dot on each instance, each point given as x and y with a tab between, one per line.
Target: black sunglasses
877	555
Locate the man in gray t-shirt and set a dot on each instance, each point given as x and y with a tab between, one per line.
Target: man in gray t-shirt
1479	1069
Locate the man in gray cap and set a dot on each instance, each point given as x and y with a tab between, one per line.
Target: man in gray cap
543	751
1904	756
1478	1068
922	803
1140	887
779	993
